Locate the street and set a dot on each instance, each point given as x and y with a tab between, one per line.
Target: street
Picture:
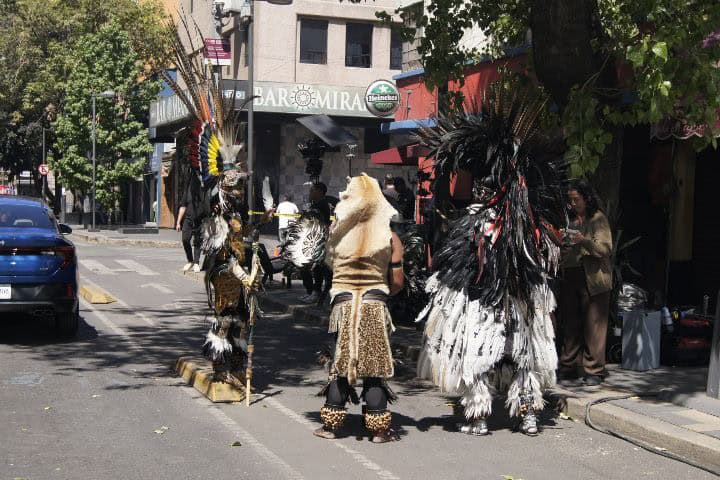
108	405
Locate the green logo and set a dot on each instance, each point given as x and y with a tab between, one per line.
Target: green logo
382	98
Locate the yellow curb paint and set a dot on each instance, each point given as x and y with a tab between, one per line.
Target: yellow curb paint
198	373
95	295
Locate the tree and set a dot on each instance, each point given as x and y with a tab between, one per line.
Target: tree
666	50
38	40
101	61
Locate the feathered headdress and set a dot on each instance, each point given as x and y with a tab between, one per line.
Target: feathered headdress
214	145
502	245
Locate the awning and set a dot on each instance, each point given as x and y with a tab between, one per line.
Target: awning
405	155
328	130
405	126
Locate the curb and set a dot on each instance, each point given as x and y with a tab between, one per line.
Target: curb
198	373
656	434
95	295
126	242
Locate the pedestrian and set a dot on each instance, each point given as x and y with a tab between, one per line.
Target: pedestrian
405	200
189	220
366	260
87	211
585	288
317	278
286	212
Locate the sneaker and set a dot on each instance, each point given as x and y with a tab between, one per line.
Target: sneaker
528	424
593	380
196	268
476	427
302	298
312	298
187	266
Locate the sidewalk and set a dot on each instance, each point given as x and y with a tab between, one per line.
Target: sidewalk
165	238
664	409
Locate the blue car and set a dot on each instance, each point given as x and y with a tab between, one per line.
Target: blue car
38	265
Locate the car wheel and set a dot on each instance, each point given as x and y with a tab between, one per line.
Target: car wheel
66	324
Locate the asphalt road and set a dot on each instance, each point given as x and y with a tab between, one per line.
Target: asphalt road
107	404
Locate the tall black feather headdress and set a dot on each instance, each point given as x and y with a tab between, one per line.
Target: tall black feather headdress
506	243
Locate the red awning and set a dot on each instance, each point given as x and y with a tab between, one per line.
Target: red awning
406	155
391	156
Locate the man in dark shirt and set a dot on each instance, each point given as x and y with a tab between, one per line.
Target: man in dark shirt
189	220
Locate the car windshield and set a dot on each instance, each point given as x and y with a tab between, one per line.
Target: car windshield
24	216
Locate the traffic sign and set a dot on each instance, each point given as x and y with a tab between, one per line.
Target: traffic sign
43	169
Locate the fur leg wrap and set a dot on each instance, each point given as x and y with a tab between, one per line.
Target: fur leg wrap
477	399
378	421
525	392
332	417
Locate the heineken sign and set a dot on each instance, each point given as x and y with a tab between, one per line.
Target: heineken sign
382	98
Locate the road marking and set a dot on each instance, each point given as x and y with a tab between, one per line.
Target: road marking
141	316
245	436
96	267
157	286
137	267
359	457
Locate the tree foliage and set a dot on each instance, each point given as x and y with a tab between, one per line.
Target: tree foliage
605	63
39	40
104	61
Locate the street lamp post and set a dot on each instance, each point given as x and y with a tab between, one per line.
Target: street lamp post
105	94
247	11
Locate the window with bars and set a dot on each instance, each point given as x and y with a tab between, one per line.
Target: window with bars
313	41
358	45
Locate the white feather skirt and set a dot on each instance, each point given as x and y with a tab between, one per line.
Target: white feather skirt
465	343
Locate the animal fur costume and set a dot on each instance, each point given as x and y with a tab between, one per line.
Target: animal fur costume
488	322
359	252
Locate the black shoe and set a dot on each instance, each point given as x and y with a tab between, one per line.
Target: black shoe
593	380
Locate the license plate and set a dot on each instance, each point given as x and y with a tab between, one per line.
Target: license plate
5	292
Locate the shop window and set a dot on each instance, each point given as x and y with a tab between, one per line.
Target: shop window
313	41
358	45
395	50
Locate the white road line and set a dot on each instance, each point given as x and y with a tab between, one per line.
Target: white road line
141	316
96	267
229	423
359	457
136	267
158	286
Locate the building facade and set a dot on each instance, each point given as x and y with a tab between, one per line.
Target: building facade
310	57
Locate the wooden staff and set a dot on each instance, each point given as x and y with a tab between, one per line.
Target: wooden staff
254	271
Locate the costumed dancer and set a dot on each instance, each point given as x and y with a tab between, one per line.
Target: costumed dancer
366	260
213	148
488	323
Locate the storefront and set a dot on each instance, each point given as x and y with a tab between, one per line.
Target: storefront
277	135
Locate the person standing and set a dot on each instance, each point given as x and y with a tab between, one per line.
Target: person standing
189	221
286	211
366	260
585	288
318	278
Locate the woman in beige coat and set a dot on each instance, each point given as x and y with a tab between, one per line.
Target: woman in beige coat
586	285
